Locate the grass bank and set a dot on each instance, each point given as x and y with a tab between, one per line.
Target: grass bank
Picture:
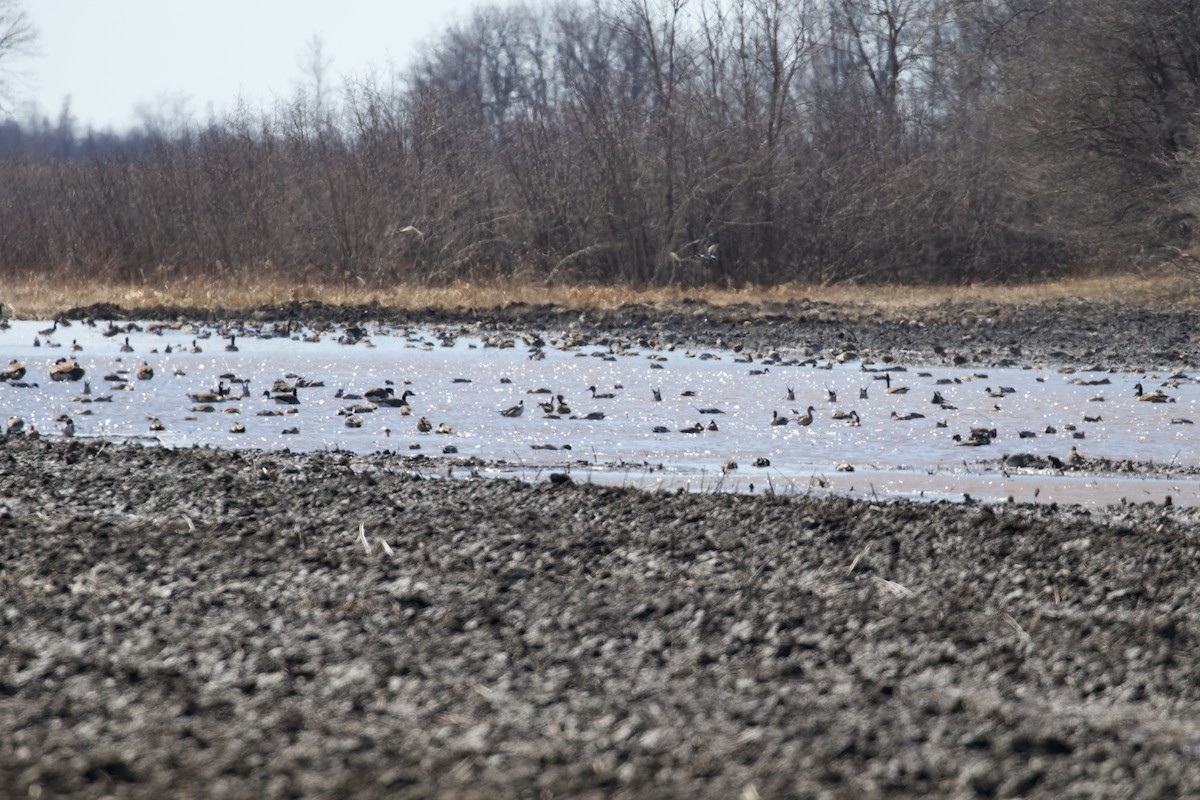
44	296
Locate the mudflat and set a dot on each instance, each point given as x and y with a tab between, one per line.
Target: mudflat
208	623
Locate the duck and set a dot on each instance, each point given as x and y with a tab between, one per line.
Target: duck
126	347
144	371
444	428
353	421
390	400
195	347
711	426
156	424
13	372
907	417
697	428
66	370
852	419
514	411
424	425
656	394
68	425
283	398
887	379
237	427
232	346
14	425
1157	396
600	395
791	394
1075	458
215	396
560	406
806	418
778	420
709	411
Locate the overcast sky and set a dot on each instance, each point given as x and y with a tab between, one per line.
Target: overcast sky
113	57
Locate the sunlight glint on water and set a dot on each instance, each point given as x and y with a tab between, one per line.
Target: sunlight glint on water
890	457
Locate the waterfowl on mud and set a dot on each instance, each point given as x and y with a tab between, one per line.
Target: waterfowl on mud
14	425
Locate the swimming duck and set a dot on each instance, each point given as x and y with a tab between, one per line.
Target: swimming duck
424	425
444	428
806	418
144	371
66	370
353	421
13	372
1157	396
778	420
232	346
600	395
210	397
697	428
907	417
656	394
237	427
127	347
196	347
156	424
711	426
514	411
893	389
400	402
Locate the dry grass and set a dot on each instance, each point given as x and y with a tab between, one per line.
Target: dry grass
40	297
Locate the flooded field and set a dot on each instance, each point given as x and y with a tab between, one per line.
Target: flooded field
657	417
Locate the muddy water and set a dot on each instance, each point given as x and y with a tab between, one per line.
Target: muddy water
465	381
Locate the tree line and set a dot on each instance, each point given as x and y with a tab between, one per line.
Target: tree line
658	142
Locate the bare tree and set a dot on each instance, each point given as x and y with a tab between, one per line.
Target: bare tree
17	38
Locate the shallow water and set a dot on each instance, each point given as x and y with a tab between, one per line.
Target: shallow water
461	381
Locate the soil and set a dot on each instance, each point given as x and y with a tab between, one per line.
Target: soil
203	623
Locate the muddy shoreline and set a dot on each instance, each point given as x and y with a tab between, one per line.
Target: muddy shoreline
201	623
1087	335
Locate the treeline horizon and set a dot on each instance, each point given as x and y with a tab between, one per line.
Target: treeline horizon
663	142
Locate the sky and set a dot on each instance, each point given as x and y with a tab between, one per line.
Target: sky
118	59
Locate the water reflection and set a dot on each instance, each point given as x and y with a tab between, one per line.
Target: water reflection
630	428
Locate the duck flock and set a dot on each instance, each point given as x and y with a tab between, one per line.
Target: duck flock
576	399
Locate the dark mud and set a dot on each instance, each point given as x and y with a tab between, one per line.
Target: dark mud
198	623
1101	335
